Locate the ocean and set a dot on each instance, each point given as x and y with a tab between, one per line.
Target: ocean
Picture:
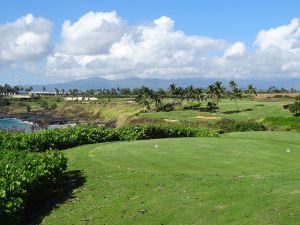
12	123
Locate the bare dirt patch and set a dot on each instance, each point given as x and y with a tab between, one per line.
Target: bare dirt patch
170	121
206	117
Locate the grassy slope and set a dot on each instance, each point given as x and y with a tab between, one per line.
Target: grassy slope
240	178
260	109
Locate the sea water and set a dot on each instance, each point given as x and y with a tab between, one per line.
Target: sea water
12	123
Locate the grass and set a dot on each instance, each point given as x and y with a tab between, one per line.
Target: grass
256	110
118	111
239	178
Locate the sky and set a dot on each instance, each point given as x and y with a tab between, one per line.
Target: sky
56	41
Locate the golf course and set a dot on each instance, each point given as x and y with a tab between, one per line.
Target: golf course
237	178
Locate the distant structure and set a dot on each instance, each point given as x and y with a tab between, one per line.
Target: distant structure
39	93
20	96
80	99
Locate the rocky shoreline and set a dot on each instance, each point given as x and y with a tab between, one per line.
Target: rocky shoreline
37	117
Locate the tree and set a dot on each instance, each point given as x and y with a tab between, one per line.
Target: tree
29	89
235	93
157	100
188	93
56	91
144	97
199	95
173	91
251	91
216	91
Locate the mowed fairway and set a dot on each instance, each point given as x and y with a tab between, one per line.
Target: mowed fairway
254	110
239	178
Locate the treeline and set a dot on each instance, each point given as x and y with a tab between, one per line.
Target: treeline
216	91
127	92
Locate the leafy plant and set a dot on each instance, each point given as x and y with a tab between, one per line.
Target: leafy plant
24	176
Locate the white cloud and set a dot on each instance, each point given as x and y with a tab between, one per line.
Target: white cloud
147	50
26	39
237	49
103	44
284	37
93	33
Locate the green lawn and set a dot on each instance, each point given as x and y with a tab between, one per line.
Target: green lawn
249	110
239	178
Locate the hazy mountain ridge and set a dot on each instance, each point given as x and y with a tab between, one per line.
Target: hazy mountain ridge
101	83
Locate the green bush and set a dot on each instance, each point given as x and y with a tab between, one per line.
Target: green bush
44	104
4	101
53	106
84	134
158	131
229	125
26	176
168	107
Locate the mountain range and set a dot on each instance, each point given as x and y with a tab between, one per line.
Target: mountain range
134	82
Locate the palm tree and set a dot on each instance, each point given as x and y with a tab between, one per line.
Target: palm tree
216	91
56	91
144	97
211	91
236	93
251	91
188	93
199	95
157	100
172	90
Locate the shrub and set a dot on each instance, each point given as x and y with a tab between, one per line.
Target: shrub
212	106
195	106
28	108
44	104
166	107
84	134
286	106
53	106
24	177
229	125
295	107
158	131
4	101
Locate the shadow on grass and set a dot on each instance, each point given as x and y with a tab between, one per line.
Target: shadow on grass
60	193
237	111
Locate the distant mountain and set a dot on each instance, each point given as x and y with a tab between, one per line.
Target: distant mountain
100	83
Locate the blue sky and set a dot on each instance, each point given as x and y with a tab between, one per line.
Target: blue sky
232	21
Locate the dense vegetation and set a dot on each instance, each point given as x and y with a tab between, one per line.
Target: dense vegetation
25	177
85	134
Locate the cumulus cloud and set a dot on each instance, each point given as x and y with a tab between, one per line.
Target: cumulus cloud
26	39
103	44
146	50
93	33
285	37
237	49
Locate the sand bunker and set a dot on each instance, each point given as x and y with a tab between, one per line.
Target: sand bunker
206	117
171	121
